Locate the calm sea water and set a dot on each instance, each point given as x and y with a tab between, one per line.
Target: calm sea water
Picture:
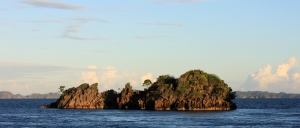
250	113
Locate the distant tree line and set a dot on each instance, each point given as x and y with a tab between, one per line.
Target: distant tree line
261	94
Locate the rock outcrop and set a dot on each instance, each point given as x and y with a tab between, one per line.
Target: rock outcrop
194	90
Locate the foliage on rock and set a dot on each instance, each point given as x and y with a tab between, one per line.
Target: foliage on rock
194	83
194	90
83	86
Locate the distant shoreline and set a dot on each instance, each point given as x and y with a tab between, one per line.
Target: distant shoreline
9	95
264	95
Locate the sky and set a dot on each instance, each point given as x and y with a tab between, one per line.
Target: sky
253	45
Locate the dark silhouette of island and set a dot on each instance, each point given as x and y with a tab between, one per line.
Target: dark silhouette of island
194	90
9	95
261	94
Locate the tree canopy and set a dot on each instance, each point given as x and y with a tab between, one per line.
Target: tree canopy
61	89
147	83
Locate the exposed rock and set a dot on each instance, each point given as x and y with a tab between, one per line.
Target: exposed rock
194	90
81	97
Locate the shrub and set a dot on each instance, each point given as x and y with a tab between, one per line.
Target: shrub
195	94
94	86
128	85
83	86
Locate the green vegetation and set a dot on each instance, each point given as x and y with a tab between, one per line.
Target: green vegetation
83	86
147	83
194	83
128	85
94	86
61	89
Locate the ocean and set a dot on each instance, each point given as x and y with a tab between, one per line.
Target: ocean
250	113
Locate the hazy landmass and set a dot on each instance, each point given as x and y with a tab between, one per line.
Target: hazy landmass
9	95
261	94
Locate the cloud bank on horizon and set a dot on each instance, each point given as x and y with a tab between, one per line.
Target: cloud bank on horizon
109	78
286	78
30	78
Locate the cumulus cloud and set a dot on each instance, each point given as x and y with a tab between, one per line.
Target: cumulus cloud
109	78
147	76
89	77
284	79
92	67
51	4
133	82
34	78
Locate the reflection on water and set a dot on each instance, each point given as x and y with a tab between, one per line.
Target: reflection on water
250	112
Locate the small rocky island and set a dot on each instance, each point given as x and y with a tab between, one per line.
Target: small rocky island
194	90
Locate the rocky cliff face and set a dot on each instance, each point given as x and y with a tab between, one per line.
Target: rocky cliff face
194	90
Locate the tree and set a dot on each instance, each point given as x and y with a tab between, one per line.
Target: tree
61	89
147	83
128	85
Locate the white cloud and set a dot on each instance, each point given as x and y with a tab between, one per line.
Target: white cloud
33	78
89	77
147	76
92	67
109	78
133	82
51	4
284	79
296	77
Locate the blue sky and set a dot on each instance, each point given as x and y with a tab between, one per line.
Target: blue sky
48	43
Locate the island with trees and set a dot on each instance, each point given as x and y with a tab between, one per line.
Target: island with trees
194	90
